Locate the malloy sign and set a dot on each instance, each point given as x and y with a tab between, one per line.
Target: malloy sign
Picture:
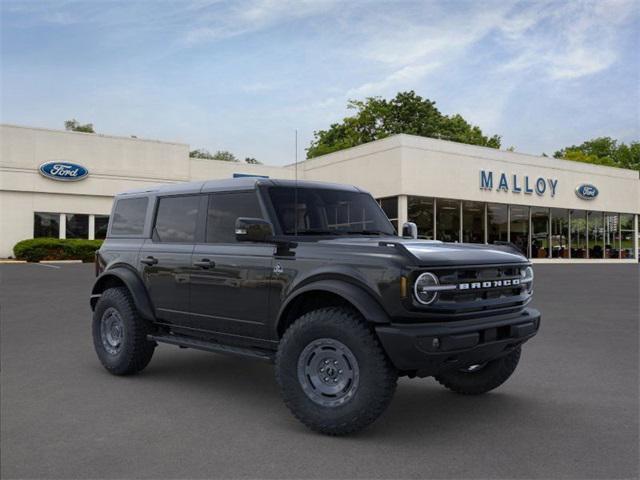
503	182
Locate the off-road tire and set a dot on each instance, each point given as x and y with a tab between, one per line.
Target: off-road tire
490	376
377	377
135	350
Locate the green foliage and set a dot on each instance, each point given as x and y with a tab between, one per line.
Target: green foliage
377	118
252	161
604	151
201	153
36	249
222	155
75	126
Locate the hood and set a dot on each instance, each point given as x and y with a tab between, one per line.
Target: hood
433	253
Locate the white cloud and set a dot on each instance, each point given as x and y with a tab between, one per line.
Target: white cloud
400	79
238	18
564	41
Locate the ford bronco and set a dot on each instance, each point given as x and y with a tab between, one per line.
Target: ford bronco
311	277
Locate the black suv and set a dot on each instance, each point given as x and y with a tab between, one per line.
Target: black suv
312	277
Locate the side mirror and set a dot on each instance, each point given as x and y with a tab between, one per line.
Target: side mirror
410	229
253	230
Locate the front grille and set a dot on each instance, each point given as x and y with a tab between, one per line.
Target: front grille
483	291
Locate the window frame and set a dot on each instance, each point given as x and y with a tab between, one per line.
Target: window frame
112	217
66	225
198	232
272	215
205	213
56	214
95	227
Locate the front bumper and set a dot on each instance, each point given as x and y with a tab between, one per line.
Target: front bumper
429	348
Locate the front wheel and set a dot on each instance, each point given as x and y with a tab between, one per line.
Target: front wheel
332	372
478	379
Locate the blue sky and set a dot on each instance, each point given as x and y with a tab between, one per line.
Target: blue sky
241	76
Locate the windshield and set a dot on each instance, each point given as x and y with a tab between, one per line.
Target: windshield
320	211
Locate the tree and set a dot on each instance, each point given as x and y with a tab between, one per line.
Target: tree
75	126
604	151
252	161
201	153
222	155
377	118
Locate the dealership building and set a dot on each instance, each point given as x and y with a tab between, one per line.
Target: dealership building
61	184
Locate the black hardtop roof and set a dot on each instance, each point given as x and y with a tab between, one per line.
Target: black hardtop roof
230	184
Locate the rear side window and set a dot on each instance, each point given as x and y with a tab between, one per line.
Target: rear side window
176	219
128	217
224	209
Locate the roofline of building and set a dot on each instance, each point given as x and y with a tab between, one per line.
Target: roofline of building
117	137
475	150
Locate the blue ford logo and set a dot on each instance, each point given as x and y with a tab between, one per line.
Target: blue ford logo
586	191
63	171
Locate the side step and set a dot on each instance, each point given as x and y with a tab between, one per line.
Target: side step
188	342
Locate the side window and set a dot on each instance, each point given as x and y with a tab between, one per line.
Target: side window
176	219
128	216
224	209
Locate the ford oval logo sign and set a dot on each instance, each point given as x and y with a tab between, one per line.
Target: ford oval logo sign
63	171
586	191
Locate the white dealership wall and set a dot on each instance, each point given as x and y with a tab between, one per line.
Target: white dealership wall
411	165
401	165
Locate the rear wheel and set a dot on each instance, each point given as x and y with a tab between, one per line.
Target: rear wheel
332	372
120	334
481	378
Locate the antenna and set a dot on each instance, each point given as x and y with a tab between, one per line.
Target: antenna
295	189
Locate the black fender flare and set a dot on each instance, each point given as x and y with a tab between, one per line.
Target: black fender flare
362	300
132	281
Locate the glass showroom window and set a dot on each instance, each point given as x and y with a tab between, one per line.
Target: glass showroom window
77	226
520	228
559	233
596	234
100	226
539	232
420	211
448	220
611	235
578	234
497	223
390	207
46	225
473	222
626	235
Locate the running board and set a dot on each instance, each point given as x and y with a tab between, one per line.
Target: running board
188	342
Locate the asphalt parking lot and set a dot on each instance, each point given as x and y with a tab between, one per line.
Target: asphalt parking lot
570	411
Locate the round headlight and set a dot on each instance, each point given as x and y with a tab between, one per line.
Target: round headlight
527	278
425	289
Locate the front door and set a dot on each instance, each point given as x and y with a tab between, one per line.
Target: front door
230	280
166	257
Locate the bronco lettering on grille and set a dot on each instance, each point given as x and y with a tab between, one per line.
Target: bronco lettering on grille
510	282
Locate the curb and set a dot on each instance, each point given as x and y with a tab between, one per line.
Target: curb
60	261
8	261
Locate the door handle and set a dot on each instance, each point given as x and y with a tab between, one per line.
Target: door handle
149	260
204	263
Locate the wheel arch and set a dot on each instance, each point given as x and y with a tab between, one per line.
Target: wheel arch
121	276
327	293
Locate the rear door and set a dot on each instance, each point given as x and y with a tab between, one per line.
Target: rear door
231	280
166	257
